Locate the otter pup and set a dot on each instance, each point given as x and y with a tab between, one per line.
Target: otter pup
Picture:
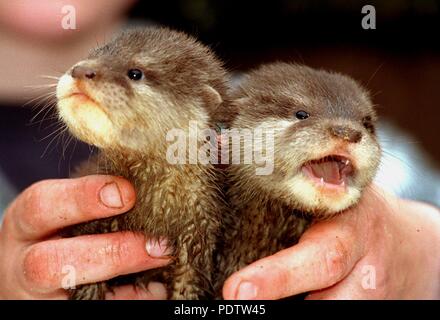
325	152
124	99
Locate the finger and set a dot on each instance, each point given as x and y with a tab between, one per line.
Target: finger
54	204
88	259
325	255
155	291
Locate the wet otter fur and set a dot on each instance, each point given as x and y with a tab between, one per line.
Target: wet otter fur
124	99
325	153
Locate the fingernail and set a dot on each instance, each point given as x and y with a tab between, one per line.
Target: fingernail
111	196
157	249
246	291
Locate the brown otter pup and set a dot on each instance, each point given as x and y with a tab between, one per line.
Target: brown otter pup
325	153
124	99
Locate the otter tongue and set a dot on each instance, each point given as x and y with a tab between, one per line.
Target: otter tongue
327	171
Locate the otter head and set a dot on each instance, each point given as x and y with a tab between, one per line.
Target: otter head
325	150
129	93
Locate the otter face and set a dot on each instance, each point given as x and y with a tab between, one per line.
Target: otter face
325	148
129	93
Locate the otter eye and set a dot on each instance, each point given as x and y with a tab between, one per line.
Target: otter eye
135	74
301	115
367	122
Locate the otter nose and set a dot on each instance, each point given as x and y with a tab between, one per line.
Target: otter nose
345	133
81	72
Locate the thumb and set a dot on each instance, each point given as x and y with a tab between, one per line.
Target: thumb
325	255
327	252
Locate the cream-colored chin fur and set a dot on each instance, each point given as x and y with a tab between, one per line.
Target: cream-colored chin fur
85	119
307	193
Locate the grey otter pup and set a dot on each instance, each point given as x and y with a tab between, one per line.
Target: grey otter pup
124	99
325	153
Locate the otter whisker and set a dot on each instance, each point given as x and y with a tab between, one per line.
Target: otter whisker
50	77
42	97
110	108
59	132
54	119
62	128
41	86
71	154
47	107
374	74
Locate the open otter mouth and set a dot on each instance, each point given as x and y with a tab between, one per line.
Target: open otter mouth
331	171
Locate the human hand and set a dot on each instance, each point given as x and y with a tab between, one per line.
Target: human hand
384	248
32	256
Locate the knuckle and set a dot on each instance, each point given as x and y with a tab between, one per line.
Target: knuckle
283	284
86	195
85	183
41	267
34	192
34	208
80	196
276	284
7	220
336	260
115	254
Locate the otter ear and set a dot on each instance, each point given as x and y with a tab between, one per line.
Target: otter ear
212	97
